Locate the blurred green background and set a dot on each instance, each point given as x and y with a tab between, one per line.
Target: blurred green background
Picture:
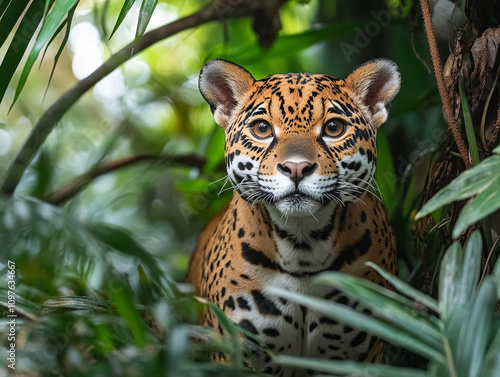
103	263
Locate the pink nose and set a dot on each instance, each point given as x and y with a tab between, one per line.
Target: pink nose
297	170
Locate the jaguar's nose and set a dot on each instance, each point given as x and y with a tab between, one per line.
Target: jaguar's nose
296	171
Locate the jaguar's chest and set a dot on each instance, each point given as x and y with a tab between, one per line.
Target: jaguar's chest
285	327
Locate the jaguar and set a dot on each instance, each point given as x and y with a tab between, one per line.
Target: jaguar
300	153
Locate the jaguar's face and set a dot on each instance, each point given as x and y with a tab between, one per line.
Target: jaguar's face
299	141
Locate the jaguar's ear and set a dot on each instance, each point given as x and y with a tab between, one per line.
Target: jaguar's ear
375	84
223	85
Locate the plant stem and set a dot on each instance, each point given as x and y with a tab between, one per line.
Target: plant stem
443	92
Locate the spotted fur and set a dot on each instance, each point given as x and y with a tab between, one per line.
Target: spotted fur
303	204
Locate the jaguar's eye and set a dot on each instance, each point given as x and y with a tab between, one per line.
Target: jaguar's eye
262	130
334	128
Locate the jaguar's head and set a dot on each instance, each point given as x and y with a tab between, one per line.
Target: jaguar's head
299	141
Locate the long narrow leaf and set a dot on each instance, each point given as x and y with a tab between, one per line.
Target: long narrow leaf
66	22
478	208
448	279
469	183
347	367
4	5
469	127
125	305
405	288
19	44
381	302
123	12
147	8
11	16
361	321
56	15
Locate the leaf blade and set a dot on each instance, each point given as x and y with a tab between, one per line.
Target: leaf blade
471	182
348	367
123	12
361	321
406	288
55	16
145	14
484	204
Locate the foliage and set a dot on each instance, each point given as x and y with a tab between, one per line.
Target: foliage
459	333
482	182
112	164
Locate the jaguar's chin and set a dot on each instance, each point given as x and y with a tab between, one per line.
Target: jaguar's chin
297	205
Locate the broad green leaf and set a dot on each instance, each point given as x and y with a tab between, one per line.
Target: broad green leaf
450	268
406	288
491	361
476	331
20	41
361	321
469	127
470	268
478	208
55	16
469	183
147	8
497	150
348	367
386	305
123	12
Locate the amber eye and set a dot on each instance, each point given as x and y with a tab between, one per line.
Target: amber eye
334	128
262	130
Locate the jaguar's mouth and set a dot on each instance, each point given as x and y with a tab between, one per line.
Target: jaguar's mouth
297	203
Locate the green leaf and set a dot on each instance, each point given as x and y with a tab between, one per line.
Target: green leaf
476	330
497	150
56	15
348	367
406	288
291	44
471	182
123	12
67	22
470	268
20	42
385	176
147	8
13	12
358	320
122	297
450	267
491	361
478	208
469	127
387	305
